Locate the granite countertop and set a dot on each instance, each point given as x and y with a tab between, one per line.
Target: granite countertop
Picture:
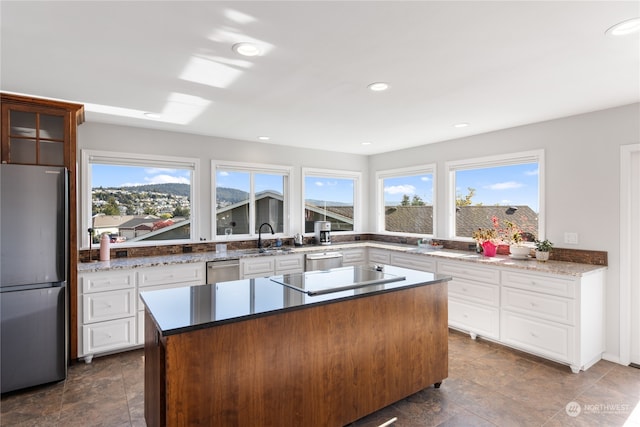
550	267
188	308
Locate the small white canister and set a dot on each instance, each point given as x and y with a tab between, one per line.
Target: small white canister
104	247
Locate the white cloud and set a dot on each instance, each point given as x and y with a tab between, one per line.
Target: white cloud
532	172
166	179
319	183
425	178
400	189
504	185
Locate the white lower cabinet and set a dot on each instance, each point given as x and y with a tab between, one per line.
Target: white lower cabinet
111	315
107	312
269	265
165	277
557	317
351	257
108	336
262	266
413	261
379	256
554	316
474	298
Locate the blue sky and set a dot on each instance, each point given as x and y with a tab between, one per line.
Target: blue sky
504	185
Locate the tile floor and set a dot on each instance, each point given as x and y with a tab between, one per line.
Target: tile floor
488	385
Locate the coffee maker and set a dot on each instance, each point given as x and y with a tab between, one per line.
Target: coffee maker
323	232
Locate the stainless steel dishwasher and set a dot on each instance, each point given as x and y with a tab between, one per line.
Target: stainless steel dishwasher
223	271
323	261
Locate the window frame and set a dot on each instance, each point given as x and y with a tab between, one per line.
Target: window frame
89	157
451	167
252	168
380	176
338	174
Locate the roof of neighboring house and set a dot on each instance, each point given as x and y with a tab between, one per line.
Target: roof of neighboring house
105	221
139	223
153	235
412	219
469	218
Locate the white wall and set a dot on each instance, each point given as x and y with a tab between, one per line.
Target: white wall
582	156
124	139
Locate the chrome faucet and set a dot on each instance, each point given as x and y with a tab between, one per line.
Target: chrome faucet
260	234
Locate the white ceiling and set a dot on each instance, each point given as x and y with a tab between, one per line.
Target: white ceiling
494	65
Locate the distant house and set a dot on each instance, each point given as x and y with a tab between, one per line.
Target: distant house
113	224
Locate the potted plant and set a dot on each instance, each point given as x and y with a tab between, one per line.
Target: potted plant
513	236
543	247
487	238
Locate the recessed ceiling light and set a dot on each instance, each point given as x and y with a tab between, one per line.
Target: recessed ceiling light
152	115
246	49
461	125
264	138
366	143
625	27
378	86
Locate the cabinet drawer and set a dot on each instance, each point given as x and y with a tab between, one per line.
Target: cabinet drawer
483	293
191	273
380	256
108	336
106	281
539	305
540	283
258	267
474	318
463	270
107	305
541	337
289	263
354	257
416	262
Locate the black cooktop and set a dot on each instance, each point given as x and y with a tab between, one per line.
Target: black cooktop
336	279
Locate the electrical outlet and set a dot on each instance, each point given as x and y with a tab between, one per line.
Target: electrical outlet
121	254
571	238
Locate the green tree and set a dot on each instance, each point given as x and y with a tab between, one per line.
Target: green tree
149	210
466	200
405	200
417	201
180	211
111	207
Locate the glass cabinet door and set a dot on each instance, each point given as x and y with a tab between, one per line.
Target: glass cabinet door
36	138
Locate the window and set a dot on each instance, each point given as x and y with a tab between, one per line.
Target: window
331	196
247	196
138	199
406	200
508	188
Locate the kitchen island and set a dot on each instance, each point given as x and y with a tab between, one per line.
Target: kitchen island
287	351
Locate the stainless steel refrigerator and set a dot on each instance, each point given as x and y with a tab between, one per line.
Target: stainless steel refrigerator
34	266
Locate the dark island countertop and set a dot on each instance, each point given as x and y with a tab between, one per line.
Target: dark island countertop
189	308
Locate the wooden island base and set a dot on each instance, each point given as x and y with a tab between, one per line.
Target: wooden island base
322	365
